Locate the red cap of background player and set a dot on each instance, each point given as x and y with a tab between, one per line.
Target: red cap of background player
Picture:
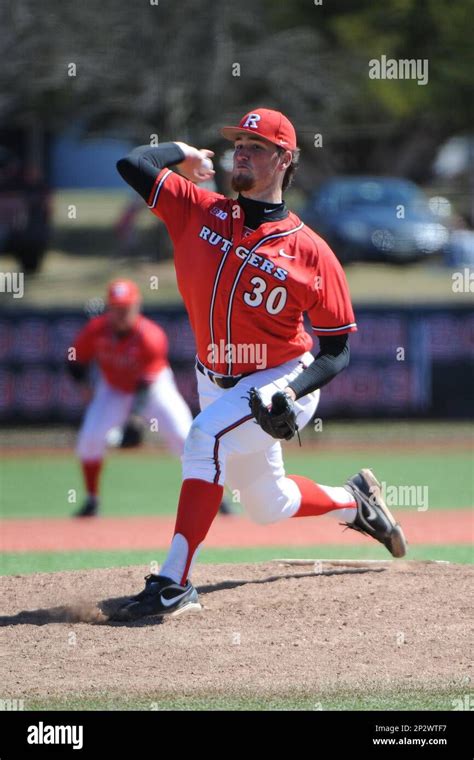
271	125
123	293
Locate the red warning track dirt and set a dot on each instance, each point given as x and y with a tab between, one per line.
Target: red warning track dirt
103	533
446	445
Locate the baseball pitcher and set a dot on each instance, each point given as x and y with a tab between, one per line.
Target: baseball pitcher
248	269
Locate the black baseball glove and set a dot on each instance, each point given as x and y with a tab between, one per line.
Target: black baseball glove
133	432
279	419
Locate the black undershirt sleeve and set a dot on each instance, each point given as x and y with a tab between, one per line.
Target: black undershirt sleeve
142	166
332	358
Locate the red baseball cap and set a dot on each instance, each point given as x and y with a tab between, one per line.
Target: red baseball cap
123	293
271	125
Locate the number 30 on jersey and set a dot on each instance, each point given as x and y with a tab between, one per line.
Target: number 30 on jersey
275	300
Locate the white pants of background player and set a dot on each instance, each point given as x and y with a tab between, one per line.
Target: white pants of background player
110	408
222	448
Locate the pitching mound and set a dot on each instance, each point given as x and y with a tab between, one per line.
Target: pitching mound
266	629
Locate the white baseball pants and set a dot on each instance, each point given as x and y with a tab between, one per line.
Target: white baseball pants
110	408
226	446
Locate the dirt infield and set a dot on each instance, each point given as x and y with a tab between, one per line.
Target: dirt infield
266	628
430	527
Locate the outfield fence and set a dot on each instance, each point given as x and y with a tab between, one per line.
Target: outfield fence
405	362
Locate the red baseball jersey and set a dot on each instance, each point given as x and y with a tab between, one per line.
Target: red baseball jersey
125	360
245	288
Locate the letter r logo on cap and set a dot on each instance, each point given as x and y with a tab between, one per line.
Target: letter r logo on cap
251	121
271	125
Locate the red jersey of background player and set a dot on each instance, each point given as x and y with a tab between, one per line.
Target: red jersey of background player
124	360
243	287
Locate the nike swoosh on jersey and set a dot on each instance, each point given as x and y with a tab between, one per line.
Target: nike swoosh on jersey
286	255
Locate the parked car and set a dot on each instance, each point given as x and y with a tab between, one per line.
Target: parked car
460	249
375	219
24	210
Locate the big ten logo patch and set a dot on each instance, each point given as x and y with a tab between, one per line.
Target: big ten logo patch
220	213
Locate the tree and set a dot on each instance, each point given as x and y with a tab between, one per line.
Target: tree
180	70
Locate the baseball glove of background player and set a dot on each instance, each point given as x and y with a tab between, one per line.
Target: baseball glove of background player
278	419
133	432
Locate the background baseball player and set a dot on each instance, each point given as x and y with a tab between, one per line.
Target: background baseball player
136	385
248	269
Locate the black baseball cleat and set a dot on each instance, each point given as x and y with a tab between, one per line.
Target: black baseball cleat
161	596
373	516
90	508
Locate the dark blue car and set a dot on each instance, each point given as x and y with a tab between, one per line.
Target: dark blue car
375	219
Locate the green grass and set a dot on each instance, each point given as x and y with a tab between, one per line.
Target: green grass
147	483
389	699
15	563
95	208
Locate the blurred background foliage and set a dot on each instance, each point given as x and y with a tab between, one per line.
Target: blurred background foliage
143	68
103	70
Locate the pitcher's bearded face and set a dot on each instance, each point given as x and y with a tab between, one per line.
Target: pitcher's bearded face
255	163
